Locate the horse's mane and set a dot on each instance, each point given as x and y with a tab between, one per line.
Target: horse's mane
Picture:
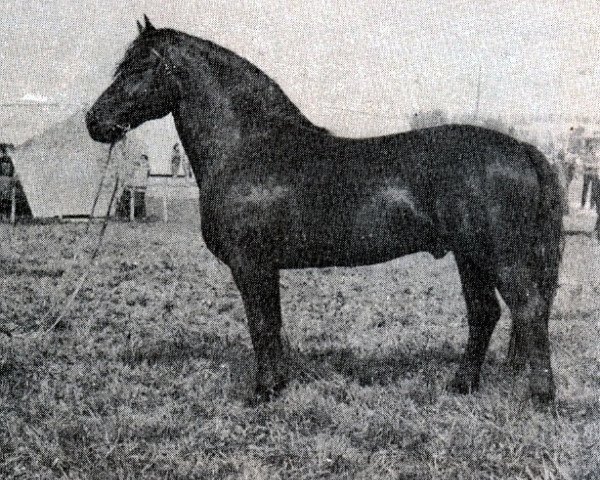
234	73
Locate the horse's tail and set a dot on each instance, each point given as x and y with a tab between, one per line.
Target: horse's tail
549	226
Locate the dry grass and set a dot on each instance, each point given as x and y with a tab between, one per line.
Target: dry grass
149	375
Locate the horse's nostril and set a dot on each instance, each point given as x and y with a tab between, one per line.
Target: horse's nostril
103	131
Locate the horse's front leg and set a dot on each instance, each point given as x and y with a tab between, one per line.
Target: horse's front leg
259	287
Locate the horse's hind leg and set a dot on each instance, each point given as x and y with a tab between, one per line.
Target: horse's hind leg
259	287
483	312
530	311
517	348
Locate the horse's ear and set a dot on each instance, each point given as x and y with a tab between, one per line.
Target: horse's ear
140	27
149	26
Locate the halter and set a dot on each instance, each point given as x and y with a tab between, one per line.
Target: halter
161	58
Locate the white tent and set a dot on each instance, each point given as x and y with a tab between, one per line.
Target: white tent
61	169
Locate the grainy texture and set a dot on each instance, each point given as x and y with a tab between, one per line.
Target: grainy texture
279	192
150	374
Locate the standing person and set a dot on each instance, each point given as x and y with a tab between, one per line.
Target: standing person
6	167
140	193
187	168
590	174
145	165
565	168
594	153
175	160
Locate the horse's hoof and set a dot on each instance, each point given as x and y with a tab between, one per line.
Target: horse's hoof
256	400
543	394
259	397
543	402
516	363
264	394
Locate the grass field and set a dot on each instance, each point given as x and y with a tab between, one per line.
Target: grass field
149	374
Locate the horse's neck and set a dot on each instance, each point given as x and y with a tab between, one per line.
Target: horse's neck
213	116
208	139
204	118
223	103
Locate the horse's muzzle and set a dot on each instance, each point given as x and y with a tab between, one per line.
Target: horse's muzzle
104	132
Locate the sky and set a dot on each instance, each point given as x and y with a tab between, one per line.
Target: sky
357	68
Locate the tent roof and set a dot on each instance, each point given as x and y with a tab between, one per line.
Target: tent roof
61	169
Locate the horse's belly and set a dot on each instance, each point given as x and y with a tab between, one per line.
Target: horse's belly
389	229
385	227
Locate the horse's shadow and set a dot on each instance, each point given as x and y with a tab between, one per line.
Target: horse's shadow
368	368
304	366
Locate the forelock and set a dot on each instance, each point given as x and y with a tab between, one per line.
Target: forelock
138	55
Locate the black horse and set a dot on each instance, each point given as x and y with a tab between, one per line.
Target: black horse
278	192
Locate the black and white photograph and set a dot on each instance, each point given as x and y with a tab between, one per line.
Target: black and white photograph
270	239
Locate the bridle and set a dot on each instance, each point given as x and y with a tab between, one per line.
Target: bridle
168	68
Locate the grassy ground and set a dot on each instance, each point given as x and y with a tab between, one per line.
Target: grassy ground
150	373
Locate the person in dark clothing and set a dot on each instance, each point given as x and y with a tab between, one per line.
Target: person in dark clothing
7	168
590	176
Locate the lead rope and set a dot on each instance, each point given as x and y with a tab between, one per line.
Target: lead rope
110	149
90	262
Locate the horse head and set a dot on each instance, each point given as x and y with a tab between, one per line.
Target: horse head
143	88
163	68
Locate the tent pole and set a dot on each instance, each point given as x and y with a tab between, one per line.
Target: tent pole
13	201
165	212
132	204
